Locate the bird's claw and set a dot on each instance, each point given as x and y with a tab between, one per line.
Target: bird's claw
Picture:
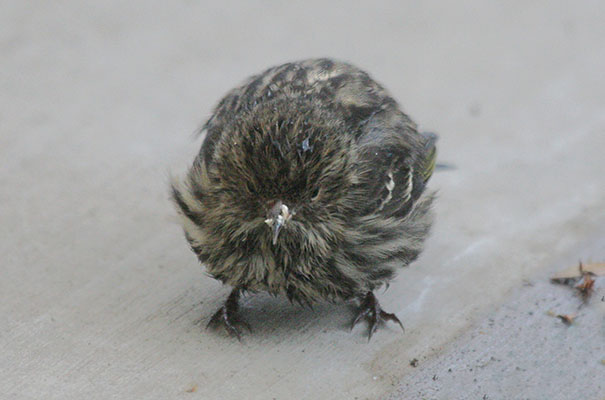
227	317
229	321
371	311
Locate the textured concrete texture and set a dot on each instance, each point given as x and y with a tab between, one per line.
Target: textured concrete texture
523	350
101	298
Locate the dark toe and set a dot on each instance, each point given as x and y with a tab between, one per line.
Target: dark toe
363	313
385	316
223	318
370	310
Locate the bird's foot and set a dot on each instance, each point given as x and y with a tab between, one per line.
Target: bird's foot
371	311
231	322
226	317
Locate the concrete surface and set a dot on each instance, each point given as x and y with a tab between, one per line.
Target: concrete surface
101	298
523	350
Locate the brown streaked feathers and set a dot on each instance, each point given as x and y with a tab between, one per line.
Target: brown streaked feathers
327	141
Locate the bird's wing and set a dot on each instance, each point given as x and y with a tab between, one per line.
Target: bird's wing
398	177
428	161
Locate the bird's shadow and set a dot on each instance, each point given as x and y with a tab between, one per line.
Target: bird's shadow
274	316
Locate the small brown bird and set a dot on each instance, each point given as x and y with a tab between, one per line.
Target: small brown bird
310	182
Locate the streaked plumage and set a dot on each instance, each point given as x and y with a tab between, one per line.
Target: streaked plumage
328	142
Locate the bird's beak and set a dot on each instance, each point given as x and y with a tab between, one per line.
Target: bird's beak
277	224
279	215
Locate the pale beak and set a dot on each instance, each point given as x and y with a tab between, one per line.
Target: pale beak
279	222
280	214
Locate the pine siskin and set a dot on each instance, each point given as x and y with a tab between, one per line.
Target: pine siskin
310	182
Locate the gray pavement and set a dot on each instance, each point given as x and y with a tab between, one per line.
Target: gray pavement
101	298
522	350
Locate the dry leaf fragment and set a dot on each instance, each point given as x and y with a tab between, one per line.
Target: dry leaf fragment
585	287
191	389
597	269
414	362
567	319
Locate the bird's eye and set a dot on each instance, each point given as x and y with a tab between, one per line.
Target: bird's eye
315	194
250	187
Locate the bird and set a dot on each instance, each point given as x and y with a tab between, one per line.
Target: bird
310	183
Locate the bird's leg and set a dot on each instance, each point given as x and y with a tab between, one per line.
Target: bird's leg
371	311
227	317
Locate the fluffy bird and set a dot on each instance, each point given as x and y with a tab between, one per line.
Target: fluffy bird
310	182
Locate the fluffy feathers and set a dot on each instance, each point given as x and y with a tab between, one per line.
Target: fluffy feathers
329	142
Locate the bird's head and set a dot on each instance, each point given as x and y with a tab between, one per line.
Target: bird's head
282	172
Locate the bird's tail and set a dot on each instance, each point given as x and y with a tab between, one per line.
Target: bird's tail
430	158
